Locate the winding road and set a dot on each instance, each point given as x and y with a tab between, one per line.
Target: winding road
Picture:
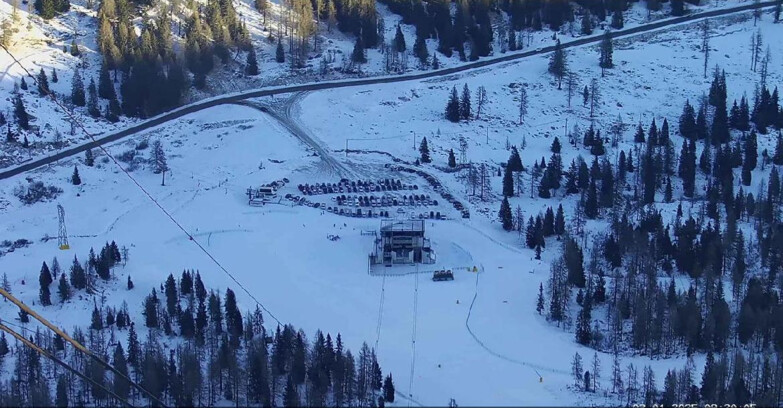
243	96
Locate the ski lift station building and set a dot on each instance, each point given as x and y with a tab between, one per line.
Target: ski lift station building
402	242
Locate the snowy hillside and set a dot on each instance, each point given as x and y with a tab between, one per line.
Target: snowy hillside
477	339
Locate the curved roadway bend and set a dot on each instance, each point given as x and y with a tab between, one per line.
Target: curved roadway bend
199	106
286	119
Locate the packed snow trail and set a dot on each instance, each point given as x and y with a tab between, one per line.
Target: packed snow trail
535	367
228	99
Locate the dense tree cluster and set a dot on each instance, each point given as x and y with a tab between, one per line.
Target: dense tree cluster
199	350
705	278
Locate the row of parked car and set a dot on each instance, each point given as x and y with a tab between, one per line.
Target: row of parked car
418	200
369	213
361	186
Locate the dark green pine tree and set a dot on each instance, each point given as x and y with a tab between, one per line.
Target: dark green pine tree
649	177
453	112
587	23
92	100
559	221
251	68
719	133
172	298
688	122
20	113
113	110
667	194
78	277
63	288
89	158
678	7
45	279
540	299
420	50
75	179
105	86
508	182
357	55
130	283
505	215
23	84
558	64
61	398
701	124
97	319
399	40
77	90
777	157
464	103
555	147
290	395
605	60
55	79
617	19
280	52
388	389
75	49
591	201
424	151
452	159
638	137
514	160
43	83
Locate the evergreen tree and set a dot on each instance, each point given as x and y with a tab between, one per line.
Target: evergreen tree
63	288
279	52
61	399
77	89
43	83
453	108
452	159
97	319
420	50
559	221
540	299
388	389
591	201
130	283
75	179
464	104
424	150
505	215
605	60
688	122
251	68
45	279
92	100
399	40
105	86
357	55
558	64
20	113
508	183
290	395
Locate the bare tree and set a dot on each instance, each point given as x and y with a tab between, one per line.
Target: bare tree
522	104
572	80
756	43
705	43
595	96
481	99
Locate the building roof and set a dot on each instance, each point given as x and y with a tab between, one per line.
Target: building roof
405	225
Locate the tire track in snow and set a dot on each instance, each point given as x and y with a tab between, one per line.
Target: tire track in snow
532	366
